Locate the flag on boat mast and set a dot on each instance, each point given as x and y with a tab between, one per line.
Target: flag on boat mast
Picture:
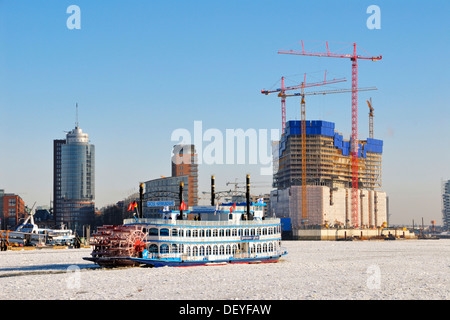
132	205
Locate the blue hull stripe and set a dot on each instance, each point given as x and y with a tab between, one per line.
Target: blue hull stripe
180	263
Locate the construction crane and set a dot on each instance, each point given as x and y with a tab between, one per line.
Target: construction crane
303	137
282	91
354	139
370	118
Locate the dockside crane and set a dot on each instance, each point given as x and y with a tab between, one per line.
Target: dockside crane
302	94
354	57
282	91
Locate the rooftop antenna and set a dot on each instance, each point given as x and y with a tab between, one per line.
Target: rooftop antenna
76	123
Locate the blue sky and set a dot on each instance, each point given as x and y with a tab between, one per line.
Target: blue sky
141	69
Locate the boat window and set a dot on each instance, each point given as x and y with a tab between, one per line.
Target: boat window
164	232
195	251
208	232
201	233
240	232
234	249
252	232
228	232
221	250
181	233
153	248
228	249
215	250
188	233
208	250
264	231
270	247
174	248
202	250
153	232
195	233
258	248
258	231
264	247
174	232
221	233
246	232
164	248
188	251
215	233
234	232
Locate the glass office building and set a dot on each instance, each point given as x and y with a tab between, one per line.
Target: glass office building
75	181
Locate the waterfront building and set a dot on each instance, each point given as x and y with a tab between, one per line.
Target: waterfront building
184	163
165	189
74	180
13	210
328	178
184	169
446	205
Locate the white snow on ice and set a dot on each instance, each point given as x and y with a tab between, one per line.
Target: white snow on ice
380	270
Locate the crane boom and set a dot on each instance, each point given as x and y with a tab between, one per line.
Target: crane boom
370	118
304	84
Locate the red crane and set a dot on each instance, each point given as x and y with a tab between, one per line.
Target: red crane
282	92
354	139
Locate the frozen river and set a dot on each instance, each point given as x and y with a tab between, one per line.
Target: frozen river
401	269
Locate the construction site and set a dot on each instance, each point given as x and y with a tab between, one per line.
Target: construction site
327	186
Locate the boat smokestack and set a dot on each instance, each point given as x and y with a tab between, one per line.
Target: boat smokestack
213	190
181	199
247	194
141	199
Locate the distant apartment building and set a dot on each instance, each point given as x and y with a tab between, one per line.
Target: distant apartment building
446	205
74	180
12	210
164	189
184	163
184	169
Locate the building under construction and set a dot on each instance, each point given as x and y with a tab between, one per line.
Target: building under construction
328	174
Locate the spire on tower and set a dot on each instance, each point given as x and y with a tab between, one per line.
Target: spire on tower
76	123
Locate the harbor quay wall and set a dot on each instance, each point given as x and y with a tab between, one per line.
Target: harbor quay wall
343	234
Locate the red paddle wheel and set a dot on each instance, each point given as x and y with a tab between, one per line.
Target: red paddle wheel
112	244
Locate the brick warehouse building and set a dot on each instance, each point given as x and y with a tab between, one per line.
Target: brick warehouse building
13	210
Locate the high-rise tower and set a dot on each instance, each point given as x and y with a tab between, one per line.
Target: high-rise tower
184	163
74	180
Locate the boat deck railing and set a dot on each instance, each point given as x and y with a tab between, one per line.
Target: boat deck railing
200	223
235	256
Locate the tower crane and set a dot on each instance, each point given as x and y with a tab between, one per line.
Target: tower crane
282	91
354	139
303	137
370	118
